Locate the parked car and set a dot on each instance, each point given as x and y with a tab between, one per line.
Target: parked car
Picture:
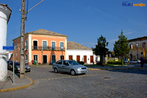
17	67
134	62
10	65
69	66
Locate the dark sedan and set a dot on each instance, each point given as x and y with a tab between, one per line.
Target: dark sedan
17	66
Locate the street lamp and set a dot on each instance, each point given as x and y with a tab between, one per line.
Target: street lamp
136	45
42	55
62	53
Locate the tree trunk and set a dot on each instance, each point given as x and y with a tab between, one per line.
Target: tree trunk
122	60
102	59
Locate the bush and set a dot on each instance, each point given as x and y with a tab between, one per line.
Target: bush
81	62
98	63
114	62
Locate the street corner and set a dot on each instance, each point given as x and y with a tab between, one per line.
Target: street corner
19	87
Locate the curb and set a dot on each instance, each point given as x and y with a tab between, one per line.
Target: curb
116	68
17	88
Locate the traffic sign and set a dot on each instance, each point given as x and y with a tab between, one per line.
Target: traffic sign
8	47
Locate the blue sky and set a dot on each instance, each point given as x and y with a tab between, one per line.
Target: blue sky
83	21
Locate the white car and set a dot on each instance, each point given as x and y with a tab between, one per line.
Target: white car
135	62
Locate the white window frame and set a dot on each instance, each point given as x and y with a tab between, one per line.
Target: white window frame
46	44
51	45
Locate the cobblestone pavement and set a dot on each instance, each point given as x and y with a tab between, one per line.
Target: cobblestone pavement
95	84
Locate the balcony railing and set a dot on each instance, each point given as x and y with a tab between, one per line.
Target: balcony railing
48	48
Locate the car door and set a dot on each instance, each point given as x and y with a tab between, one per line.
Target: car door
59	65
66	66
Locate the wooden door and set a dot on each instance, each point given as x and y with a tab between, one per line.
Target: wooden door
85	59
91	59
78	58
70	57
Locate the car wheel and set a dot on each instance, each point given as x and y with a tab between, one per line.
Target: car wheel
56	70
72	72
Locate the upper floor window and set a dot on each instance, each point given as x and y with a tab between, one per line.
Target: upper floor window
35	44
26	43
53	45
44	45
16	46
143	45
136	45
61	45
131	46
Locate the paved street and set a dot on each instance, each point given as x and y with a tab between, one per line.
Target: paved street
95	84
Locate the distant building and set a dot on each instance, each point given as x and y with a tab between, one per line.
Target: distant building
47	47
138	48
79	52
42	46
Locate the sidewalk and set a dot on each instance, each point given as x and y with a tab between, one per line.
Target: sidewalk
8	85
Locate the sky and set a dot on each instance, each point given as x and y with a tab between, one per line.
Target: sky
83	21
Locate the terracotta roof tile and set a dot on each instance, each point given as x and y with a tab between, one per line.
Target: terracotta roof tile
76	46
46	32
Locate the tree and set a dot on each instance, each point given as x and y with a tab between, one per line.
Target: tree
100	49
121	47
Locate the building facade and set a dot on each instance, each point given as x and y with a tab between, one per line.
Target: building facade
42	47
138	48
5	13
79	52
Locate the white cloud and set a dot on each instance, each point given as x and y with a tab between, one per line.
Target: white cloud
112	41
128	33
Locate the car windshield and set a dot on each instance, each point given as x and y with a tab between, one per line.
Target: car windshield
73	63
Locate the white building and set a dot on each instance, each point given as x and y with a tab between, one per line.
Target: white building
5	13
79	52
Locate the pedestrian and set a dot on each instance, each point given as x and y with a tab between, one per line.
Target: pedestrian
142	61
128	60
32	62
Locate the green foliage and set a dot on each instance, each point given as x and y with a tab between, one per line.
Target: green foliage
114	62
121	46
100	48
81	62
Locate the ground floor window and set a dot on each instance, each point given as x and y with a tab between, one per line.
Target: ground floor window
70	57
35	58
78	58
62	57
91	59
85	59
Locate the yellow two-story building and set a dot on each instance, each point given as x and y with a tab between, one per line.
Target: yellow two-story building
138	48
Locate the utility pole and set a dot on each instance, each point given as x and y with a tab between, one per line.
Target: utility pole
22	62
22	59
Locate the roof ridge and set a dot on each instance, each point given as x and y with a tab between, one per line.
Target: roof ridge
74	45
46	32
